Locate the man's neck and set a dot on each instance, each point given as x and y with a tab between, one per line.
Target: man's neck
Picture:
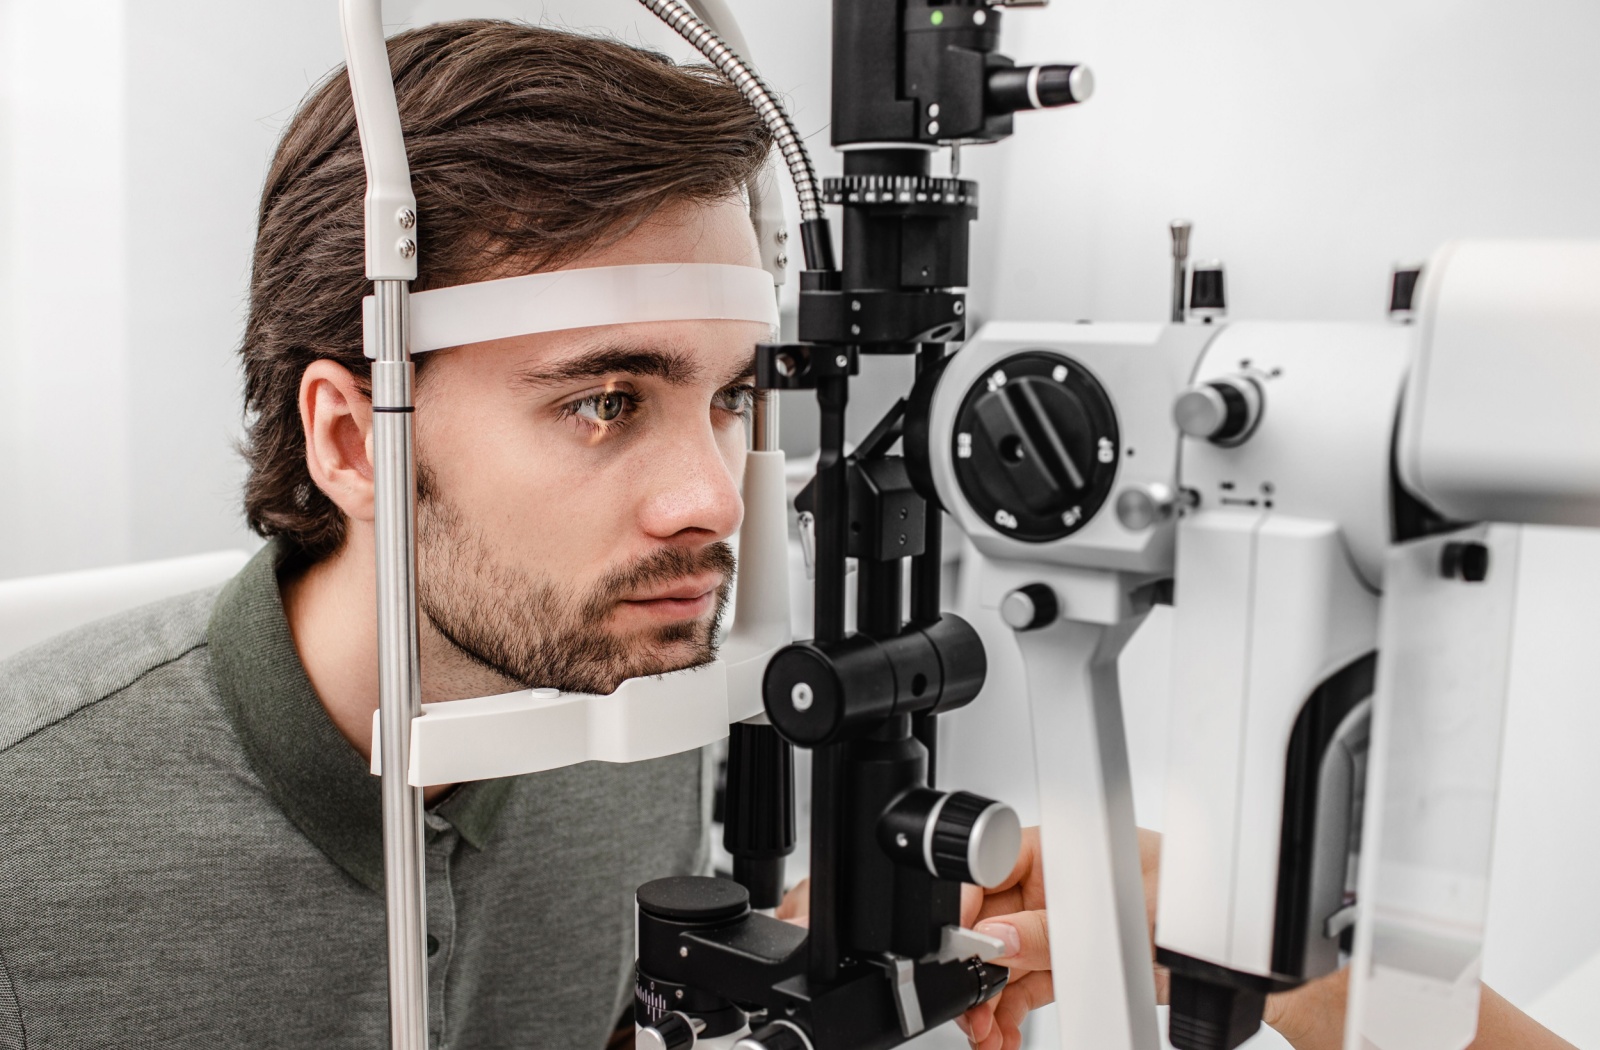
333	619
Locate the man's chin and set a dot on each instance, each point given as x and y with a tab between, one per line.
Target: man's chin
676	647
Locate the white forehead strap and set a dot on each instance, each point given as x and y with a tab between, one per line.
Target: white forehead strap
600	295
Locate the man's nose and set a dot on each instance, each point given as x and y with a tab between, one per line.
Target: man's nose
692	490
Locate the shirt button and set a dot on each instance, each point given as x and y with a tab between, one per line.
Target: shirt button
433	946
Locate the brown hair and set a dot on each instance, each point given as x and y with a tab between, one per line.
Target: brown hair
528	147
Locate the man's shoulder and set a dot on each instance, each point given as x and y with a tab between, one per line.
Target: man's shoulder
48	683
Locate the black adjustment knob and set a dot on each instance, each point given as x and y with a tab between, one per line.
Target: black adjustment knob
758	810
957	836
1208	293
1036	446
1223	411
675	1031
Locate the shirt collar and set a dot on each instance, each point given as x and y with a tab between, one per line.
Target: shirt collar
311	771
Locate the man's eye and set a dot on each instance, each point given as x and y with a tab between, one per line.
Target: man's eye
736	399
608	407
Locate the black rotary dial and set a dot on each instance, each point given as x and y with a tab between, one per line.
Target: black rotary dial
1036	446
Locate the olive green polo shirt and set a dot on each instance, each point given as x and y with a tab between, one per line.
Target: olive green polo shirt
191	855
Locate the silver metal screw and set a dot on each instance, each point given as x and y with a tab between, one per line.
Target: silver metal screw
407	247
961	307
901	840
855	329
783	260
802	698
933	127
783	236
406	218
855	305
843	361
933	109
683	953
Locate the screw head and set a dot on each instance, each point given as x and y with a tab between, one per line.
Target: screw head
783	236
855	305
933	109
960	307
783	260
683	953
802	698
407	247
843	361
979	18
855	329
933	127
901	840
406	218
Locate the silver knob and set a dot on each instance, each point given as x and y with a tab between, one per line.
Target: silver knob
1029	608
1224	411
1141	506
993	845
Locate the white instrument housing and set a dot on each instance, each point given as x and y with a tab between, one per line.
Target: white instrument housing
1278	568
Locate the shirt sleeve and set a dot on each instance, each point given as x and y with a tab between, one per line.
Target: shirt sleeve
12	1035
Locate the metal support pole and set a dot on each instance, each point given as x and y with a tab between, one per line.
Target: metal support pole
764	422
399	669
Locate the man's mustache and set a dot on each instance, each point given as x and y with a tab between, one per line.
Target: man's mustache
668	565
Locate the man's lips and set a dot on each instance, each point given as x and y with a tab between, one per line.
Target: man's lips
688	599
689	589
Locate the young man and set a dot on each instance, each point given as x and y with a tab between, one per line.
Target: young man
190	843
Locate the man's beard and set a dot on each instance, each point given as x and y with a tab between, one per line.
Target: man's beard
543	633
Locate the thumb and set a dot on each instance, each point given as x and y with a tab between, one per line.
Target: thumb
1026	936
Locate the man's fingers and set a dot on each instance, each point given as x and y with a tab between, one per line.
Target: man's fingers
1026	936
1019	999
796	903
971	901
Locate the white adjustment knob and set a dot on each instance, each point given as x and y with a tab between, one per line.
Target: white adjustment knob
1141	506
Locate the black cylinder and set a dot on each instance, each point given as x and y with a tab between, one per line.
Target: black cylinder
1009	90
666	908
758	810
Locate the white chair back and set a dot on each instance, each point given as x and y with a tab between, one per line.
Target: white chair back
35	608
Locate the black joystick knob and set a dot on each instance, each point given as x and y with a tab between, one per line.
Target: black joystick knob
1036	446
957	836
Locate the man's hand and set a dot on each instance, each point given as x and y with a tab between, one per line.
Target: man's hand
1014	913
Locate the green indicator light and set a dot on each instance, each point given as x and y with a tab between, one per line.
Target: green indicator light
938	18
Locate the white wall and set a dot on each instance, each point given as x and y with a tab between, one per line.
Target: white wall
133	142
1313	145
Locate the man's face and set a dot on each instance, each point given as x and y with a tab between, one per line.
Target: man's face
577	488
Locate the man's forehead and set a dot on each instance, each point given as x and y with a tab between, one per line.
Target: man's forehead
678	358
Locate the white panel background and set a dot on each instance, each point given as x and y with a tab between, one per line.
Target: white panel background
1313	144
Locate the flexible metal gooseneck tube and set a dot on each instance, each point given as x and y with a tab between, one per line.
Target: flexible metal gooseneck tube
815	240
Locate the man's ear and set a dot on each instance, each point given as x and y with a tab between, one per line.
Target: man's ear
337	419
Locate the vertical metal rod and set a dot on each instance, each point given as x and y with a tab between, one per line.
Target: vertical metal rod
1181	229
832	508
399	667
764	422
822	944
927	568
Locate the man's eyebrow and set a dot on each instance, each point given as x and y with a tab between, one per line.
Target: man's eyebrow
674	366
744	371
